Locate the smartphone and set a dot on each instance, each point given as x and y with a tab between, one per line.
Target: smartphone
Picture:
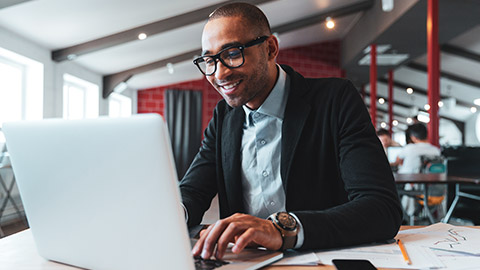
353	264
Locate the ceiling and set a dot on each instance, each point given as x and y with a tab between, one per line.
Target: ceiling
102	36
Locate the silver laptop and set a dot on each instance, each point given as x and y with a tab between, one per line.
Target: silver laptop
103	194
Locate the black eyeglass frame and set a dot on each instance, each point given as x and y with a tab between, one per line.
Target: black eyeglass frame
217	57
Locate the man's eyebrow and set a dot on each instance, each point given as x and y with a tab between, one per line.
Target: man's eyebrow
235	43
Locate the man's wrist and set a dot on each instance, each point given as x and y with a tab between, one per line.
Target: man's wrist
287	225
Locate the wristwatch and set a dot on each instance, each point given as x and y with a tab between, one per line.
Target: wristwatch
287	225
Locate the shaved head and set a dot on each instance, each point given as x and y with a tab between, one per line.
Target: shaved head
250	13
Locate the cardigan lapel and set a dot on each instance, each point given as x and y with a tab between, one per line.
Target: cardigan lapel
232	131
296	113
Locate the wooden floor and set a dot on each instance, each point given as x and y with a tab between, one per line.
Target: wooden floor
13	227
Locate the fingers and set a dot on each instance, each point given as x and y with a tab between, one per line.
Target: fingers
245	239
244	230
199	245
208	240
233	230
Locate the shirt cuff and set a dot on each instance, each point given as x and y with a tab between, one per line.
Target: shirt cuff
186	212
300	235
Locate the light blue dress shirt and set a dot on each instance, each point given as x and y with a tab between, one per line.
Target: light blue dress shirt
263	192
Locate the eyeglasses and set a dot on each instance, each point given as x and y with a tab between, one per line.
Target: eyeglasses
231	57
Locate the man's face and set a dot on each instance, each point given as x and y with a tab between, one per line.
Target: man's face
249	84
385	139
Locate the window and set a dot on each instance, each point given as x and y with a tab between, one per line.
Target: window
21	88
80	98
119	105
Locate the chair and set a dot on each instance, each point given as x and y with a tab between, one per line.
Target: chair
435	192
6	188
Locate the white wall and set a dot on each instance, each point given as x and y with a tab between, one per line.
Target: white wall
53	72
53	88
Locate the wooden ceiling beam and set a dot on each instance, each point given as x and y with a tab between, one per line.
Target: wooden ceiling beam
407	106
461	52
150	29
446	75
320	17
110	81
423	92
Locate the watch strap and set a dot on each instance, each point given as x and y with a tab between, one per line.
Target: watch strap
289	238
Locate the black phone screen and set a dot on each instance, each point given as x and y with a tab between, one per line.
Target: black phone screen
353	265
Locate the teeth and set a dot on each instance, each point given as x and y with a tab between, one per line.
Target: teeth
229	86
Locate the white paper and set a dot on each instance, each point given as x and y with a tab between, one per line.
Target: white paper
386	256
445	237
298	258
458	261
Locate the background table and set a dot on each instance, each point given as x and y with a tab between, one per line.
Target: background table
439	178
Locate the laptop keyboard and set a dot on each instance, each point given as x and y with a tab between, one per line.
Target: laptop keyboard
207	264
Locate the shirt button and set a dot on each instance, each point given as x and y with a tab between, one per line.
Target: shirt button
263	141
265	173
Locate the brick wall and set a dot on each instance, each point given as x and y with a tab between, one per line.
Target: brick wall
314	61
317	60
152	100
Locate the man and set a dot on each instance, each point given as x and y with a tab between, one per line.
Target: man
300	151
386	139
409	159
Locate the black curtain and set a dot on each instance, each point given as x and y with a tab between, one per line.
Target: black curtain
183	112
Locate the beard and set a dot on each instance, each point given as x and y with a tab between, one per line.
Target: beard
253	85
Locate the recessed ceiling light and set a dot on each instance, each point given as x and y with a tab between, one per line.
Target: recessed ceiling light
142	36
409	90
383	125
427	107
329	23
409	120
440	104
473	109
395	122
381	100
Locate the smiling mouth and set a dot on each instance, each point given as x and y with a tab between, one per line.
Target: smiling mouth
230	87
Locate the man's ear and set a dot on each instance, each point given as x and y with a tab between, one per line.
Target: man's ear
272	44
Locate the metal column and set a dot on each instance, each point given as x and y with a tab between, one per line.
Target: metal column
373	84
390	102
433	55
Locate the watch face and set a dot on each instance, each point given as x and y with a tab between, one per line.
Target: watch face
286	221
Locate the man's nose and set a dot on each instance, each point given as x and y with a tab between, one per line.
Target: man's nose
222	71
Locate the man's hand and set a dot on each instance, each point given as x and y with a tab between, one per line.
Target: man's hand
243	230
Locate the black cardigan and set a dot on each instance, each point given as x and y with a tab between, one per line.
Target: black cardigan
335	173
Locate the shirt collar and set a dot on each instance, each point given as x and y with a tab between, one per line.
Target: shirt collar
276	101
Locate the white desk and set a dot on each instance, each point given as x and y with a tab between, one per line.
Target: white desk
18	252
